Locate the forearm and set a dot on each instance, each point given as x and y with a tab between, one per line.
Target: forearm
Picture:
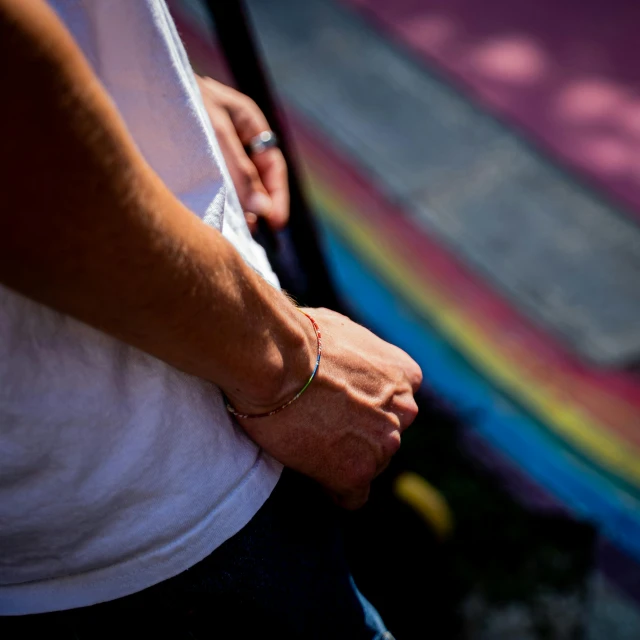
87	228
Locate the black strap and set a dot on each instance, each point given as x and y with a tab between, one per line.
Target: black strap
239	46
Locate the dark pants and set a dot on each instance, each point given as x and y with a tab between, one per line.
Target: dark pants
283	576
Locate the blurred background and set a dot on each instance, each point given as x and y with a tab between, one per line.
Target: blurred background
473	170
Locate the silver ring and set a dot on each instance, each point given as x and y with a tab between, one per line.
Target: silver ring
263	141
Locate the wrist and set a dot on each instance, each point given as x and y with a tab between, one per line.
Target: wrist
292	398
300	359
287	357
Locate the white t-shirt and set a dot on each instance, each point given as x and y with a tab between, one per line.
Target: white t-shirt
116	470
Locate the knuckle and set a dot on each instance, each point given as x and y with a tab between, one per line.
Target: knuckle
409	413
392	443
411	372
247	103
248	117
416	373
412	411
404	409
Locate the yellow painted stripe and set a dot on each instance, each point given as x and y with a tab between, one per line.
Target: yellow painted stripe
426	501
571	423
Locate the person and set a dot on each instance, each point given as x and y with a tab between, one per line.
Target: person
142	331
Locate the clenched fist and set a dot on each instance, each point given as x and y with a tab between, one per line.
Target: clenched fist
347	425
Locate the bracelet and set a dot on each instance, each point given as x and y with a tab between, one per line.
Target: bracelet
245	416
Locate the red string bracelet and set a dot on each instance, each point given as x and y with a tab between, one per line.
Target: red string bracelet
245	416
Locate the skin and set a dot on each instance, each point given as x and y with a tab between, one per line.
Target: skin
138	265
260	180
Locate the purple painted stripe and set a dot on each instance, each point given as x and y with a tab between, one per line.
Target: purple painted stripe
620	569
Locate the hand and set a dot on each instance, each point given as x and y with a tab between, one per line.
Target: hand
347	425
260	180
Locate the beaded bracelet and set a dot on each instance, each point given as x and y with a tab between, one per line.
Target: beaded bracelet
245	416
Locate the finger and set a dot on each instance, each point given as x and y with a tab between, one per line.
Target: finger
411	369
415	376
249	121
406	409
252	194
272	169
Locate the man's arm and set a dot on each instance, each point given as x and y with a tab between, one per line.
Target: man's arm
87	228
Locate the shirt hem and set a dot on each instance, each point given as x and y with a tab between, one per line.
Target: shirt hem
137	574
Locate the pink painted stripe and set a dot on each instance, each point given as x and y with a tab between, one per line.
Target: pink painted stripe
566	72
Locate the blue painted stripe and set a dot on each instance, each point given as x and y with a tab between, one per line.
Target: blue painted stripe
504	425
